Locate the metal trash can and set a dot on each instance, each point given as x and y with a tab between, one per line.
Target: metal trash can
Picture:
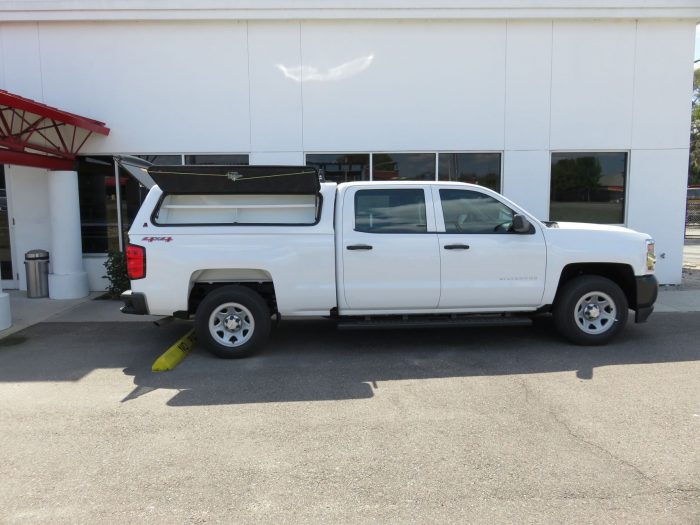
36	263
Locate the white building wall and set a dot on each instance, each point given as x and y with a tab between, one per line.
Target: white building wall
660	130
406	85
592	85
278	89
160	87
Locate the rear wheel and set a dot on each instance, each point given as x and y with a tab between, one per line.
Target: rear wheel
590	310
232	322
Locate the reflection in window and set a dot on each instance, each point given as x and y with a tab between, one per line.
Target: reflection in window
222	160
390	211
340	167
162	160
588	187
483	169
468	211
403	166
98	205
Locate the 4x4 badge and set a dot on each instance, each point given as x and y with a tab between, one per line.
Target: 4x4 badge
234	176
155	239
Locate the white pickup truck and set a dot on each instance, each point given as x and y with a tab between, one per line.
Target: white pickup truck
233	247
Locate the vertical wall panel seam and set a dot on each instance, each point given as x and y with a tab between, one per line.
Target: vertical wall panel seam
301	94
628	175
551	86
250	91
41	68
504	178
548	188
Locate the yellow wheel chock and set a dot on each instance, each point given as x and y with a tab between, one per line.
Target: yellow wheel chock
176	353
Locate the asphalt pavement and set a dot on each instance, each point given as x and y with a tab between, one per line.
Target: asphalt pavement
431	426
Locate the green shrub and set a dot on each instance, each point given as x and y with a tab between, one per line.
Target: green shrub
116	273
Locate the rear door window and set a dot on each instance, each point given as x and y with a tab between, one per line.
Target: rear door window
390	211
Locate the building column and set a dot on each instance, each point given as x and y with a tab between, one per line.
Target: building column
69	279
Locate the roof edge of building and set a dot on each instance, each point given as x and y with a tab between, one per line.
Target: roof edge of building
99	10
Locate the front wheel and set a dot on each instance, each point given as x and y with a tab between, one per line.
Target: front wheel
590	310
232	322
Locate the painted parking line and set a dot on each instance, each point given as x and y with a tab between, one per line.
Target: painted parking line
176	353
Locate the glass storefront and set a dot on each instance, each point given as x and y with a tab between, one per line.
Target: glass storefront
403	166
483	169
340	167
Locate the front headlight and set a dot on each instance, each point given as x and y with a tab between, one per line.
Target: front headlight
651	255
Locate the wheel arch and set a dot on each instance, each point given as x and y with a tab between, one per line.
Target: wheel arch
619	273
205	281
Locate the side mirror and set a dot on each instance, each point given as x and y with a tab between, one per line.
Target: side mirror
521	224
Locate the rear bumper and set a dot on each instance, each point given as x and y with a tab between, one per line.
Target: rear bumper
134	303
647	291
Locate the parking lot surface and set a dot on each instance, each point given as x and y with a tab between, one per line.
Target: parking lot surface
480	425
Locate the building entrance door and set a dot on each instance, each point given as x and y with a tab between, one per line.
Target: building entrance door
6	272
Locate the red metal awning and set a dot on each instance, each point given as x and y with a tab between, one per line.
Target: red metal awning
34	134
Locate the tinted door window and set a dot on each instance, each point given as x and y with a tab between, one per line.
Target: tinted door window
390	211
473	212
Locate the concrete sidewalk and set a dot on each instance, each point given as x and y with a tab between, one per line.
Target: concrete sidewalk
27	312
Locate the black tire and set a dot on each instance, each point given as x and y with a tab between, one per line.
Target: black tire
579	301
251	311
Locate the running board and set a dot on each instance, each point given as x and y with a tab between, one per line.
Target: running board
381	322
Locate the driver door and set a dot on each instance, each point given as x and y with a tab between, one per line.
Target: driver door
484	264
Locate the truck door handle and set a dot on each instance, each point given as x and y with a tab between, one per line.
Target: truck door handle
359	247
456	246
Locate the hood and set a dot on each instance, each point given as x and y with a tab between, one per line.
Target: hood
591	227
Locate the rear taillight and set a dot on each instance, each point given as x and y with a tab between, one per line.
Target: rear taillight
135	261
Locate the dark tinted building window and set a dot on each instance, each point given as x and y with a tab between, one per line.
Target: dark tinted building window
99	203
162	160
403	166
225	160
340	167
483	169
390	211
97	195
5	253
588	187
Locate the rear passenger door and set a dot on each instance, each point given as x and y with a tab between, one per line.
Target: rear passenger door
484	263
390	257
